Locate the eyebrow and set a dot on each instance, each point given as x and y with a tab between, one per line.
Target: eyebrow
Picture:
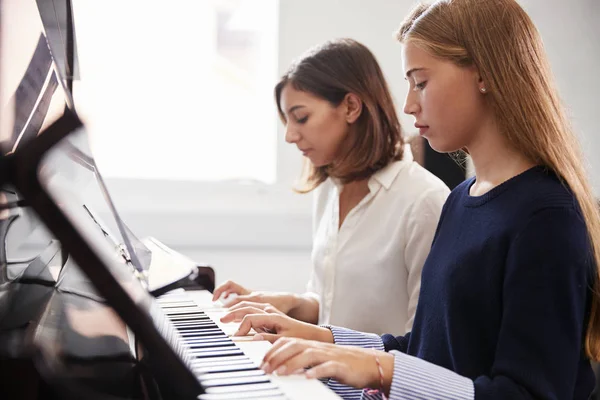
410	71
294	108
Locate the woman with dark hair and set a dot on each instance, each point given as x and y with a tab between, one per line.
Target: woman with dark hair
375	209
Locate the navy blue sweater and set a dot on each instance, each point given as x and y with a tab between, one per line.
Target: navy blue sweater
505	291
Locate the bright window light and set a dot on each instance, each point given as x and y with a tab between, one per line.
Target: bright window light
179	90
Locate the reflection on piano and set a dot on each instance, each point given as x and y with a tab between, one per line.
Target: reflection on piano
97	313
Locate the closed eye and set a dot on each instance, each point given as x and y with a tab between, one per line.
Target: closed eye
420	85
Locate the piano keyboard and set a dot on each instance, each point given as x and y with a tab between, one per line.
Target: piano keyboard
226	368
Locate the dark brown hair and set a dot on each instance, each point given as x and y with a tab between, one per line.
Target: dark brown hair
331	71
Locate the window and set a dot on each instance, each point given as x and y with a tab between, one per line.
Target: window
179	90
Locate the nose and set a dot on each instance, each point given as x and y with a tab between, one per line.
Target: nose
291	135
411	104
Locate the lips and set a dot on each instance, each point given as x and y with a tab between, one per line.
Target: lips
422	128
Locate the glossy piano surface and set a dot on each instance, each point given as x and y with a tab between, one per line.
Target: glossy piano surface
53	339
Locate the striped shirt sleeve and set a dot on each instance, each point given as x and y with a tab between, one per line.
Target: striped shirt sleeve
418	379
348	337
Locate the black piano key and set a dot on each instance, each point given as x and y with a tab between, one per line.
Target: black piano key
227	367
199	330
234	381
187	314
190	338
195	320
215	353
199	325
184	318
189	320
211	345
205	332
189	332
230	374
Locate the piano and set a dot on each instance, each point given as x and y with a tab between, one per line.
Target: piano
111	315
97	313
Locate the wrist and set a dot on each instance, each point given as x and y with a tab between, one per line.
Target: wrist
294	302
380	372
305	308
387	367
324	335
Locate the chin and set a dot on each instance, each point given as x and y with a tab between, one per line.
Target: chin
317	162
442	147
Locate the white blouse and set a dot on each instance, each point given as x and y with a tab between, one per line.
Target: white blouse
367	274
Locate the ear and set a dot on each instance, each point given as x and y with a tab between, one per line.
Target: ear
481	86
353	107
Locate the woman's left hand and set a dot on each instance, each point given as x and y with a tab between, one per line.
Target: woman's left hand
349	365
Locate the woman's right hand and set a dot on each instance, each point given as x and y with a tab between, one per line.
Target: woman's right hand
283	302
273	326
229	288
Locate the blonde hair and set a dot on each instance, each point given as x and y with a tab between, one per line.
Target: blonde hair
331	71
499	38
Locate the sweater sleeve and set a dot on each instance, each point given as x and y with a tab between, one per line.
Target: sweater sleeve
398	343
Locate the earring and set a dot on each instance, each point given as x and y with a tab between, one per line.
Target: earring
482	90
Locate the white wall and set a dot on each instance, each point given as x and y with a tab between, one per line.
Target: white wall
571	34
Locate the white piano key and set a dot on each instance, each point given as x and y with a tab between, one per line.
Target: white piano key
238	388
259	394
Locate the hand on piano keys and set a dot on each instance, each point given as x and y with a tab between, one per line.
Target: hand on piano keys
227	366
271	325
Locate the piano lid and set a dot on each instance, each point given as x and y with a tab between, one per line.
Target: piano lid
54	175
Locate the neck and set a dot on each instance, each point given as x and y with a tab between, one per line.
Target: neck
494	160
356	186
